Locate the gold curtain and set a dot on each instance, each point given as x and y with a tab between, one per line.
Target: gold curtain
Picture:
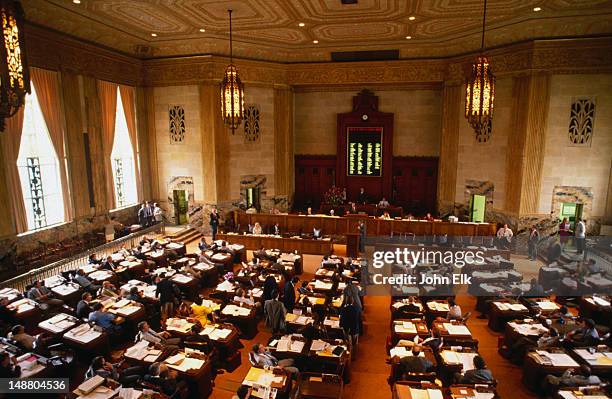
11	141
107	92
47	89
128	99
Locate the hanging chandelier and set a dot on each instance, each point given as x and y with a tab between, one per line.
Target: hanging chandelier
480	88
232	91
14	70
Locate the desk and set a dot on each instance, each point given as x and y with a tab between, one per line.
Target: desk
503	311
322	359
408	329
32	365
188	284
10	294
143	353
288	346
307	246
195	367
472	392
244	317
261	379
25	311
399	352
518	329
68	292
600	361
375	227
318	386
59	324
540	363
224	337
86	339
404	390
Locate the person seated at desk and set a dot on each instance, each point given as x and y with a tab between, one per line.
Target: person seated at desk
524	344
309	211
19	335
9	368
570	378
103	319
276	229
83	308
480	374
108	290
504	237
304	289
535	289
243	392
162	339
385	216
257	230
202	245
383	203
352	208
429	217
454	310
81	279
93	259
362	197
415	363
164	379
263	358
189	269
275	312
99	366
317	234
585	336
43	295
108	264
200	313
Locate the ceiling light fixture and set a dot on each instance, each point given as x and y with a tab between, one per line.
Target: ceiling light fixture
76	1
301	24
411	18
202	30
480	87
315	41
536	9
14	69
232	90
408	37
154	34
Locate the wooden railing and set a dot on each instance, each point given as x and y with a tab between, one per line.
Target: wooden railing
74	262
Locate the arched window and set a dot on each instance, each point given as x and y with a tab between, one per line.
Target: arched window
122	161
39	171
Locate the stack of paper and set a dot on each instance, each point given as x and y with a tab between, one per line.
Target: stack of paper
179	325
456	329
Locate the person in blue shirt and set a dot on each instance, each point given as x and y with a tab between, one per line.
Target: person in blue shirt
103	319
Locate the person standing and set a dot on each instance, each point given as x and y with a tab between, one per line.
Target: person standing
350	321
289	294
580	236
362	197
150	217
142	215
214	223
532	243
166	292
564	232
362	236
158	213
275	312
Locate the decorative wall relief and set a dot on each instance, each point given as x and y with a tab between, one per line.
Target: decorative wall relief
582	118
484	134
251	123
176	117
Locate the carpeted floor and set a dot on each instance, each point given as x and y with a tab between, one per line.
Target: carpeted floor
369	371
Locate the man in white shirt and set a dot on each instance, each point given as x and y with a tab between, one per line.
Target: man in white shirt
580	235
504	236
146	333
158	213
383	203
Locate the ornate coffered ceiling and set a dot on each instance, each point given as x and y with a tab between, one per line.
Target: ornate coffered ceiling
268	29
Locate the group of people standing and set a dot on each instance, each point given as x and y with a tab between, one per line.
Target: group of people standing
149	214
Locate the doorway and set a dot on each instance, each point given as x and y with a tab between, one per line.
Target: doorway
572	211
252	198
180	206
477	208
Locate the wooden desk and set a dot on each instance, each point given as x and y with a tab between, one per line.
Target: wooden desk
324	361
454	333
599	360
535	368
257	377
319	386
86	339
288	346
517	329
25	311
408	329
32	365
244	317
411	390
59	324
503	311
460	391
396	356
201	377
375	227
315	247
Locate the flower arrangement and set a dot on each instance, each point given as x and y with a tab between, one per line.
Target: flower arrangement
228	276
334	196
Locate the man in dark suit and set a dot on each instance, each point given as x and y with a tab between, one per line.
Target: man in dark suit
83	308
479	375
142	215
270	285
362	197
289	294
214	223
276	229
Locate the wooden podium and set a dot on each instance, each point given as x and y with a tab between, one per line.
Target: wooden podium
352	245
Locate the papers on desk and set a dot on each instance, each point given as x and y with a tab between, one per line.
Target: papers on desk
220	257
83	333
569	394
438	306
29	365
261	377
286	344
141	351
598	301
89	385
234	310
528	329
405	392
557	359
100	275
215	332
203	266
547	305
298	319
318	345
129	393
402	351
506	306
121	303
226	286
211	304
22	305
182	363
465	359
181	278
178	325
595	359
332	322
128	310
65	289
58	323
405	327
456	329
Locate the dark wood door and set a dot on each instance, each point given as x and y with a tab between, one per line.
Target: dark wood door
415	181
314	175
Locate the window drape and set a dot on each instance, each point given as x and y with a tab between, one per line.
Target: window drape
107	92
48	92
128	97
11	141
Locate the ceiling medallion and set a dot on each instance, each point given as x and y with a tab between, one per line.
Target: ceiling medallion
480	87
232	91
14	69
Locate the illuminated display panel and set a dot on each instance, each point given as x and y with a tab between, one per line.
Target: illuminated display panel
364	151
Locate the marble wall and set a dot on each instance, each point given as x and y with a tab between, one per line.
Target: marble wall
417	122
566	164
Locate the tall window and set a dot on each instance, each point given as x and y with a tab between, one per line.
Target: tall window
122	161
39	171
